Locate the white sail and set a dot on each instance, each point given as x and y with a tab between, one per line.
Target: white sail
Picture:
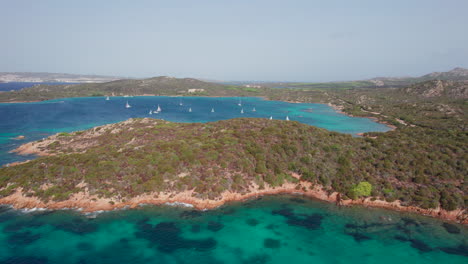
240	102
107	98
253	110
150	112
159	109
180	103
287	118
127	105
190	110
212	110
271	117
242	110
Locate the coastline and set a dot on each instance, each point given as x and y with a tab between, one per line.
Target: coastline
86	203
339	109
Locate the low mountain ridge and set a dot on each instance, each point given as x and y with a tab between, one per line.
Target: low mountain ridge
439	88
161	86
54	77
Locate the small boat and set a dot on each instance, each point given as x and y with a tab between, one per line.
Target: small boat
253	110
212	110
271	117
150	112
107	98
159	109
190	110
127	105
287	118
180	103
240	102
242	110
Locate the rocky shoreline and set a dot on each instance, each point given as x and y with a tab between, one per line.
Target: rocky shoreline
87	203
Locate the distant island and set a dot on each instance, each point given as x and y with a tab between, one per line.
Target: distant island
54	77
420	166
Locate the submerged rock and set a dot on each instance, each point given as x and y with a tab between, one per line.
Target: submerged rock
271	243
452	229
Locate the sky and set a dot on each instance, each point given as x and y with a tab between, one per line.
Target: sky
293	40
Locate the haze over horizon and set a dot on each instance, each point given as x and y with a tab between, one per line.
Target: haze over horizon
242	40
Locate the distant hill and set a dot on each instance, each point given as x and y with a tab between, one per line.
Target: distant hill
53	77
439	88
457	74
162	85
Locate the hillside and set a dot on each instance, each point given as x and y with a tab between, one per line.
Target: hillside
53	77
153	86
456	74
139	157
439	88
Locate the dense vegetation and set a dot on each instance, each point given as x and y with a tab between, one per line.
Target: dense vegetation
144	155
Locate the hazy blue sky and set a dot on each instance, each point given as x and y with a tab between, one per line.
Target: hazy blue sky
235	40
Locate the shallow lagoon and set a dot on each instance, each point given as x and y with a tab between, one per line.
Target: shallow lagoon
41	119
275	229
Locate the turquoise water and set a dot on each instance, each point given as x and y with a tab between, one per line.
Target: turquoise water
282	229
41	119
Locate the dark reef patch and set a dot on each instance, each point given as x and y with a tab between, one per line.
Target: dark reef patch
271	243
415	243
258	259
22	238
358	236
190	214
18	225
297	200
312	221
420	245
461	250
252	222
215	226
167	237
84	246
452	229
77	226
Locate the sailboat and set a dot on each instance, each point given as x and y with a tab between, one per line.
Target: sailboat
107	98
127	105
190	110
271	117
180	103
212	110
242	110
159	109
240	102
287	118
150	112
253	110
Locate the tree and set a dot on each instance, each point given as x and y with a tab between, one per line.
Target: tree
363	189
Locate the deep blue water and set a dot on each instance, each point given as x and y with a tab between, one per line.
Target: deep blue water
41	119
14	86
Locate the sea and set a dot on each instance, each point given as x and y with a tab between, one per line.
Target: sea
270	229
